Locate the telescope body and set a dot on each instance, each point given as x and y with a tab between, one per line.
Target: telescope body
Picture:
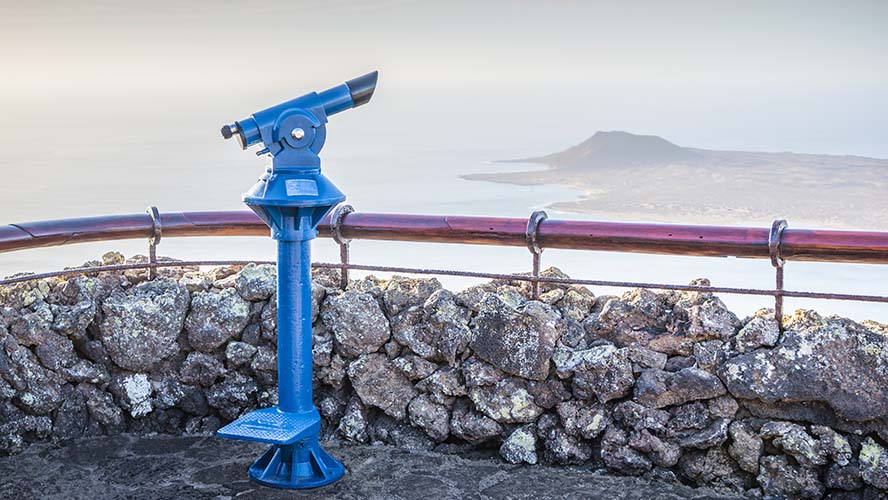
267	125
292	197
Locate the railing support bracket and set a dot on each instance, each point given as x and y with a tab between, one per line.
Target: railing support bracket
532	236
154	239
336	220
775	241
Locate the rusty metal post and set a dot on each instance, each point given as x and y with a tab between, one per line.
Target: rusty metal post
531	235
336	220
775	240
154	240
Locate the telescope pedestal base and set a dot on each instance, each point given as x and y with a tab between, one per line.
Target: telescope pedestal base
300	465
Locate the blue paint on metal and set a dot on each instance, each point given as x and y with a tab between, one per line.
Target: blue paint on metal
292	198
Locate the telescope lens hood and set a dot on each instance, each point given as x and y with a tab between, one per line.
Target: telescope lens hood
362	87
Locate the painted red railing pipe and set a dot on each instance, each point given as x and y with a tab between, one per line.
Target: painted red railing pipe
797	244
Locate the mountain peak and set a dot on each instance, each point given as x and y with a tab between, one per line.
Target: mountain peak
623	136
619	149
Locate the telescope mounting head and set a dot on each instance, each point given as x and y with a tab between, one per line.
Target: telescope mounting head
293	196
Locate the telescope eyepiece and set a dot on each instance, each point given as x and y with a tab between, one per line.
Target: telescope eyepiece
228	131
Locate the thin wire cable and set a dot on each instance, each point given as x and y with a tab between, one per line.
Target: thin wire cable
452	272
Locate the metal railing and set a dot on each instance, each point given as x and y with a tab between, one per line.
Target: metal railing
777	243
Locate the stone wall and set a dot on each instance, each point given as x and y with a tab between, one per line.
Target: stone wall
669	385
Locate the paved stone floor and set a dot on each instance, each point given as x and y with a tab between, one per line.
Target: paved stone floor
167	467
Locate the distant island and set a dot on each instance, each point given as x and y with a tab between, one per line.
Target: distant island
646	177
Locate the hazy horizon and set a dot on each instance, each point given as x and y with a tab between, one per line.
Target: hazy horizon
769	76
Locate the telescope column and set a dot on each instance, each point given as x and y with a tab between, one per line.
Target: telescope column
294	326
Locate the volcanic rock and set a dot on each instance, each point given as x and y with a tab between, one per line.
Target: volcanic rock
215	318
101	407
746	446
661	453
430	416
438	330
657	388
443	385
712	466
380	384
517	341
781	479
794	371
582	419
37	389
239	353
546	394
401	293
353	425
414	367
507	402
760	331
478	373
833	445
232	396
576	304
697	317
471	425
794	441
712	435
357	323
635	416
873	460
141	326
201	369
634	319
619	457
844	477
134	393
256	282
520	446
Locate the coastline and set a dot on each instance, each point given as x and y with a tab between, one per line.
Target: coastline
664	196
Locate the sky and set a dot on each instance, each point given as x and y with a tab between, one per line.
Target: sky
806	77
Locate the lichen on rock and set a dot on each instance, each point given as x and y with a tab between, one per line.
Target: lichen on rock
506	402
583	419
520	446
873	459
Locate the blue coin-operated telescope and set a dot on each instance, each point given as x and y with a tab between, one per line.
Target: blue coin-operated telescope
292	198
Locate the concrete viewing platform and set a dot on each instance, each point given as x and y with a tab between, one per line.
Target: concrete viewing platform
169	467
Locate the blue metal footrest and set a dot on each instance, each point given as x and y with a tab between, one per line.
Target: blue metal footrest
270	425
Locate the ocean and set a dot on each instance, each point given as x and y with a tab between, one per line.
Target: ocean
86	173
